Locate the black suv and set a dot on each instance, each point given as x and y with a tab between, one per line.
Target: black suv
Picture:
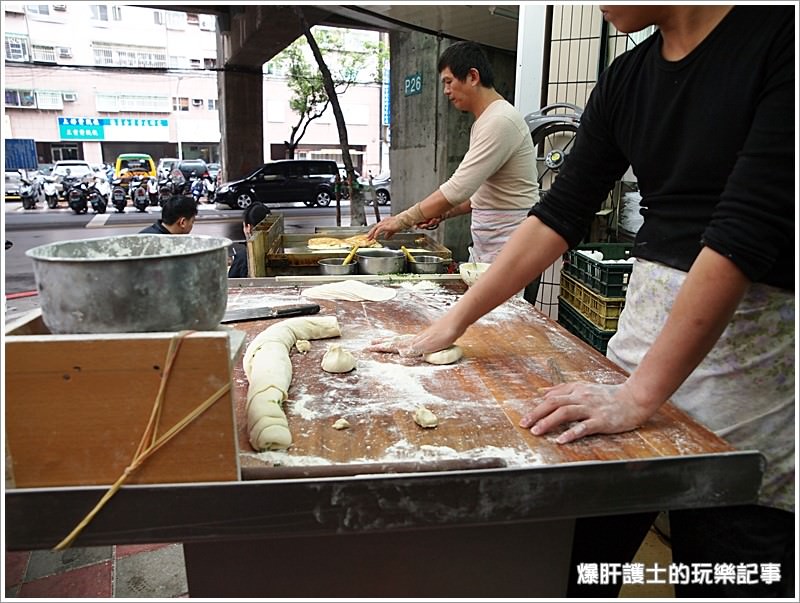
189	167
284	181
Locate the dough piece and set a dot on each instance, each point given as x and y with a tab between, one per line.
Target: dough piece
341	424
338	360
327	243
445	356
361	240
269	373
303	346
425	418
350	290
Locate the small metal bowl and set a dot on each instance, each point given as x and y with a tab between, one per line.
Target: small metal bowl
380	261
427	264
334	266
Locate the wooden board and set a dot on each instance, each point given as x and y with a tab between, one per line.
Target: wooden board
77	405
508	355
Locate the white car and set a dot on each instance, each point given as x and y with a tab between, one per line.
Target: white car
383	187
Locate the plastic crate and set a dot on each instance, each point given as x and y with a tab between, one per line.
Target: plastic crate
609	280
577	324
602	311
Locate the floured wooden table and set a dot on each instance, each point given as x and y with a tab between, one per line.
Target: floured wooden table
476	507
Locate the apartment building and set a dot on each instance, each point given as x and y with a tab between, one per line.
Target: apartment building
91	81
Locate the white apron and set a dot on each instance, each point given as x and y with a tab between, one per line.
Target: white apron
744	388
490	229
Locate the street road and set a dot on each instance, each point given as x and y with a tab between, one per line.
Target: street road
31	228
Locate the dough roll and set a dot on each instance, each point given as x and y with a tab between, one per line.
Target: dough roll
269	373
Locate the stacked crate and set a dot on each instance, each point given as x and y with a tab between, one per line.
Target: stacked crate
592	292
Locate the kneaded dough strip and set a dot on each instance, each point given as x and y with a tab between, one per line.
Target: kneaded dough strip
269	373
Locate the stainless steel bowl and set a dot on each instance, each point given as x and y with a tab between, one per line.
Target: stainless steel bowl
380	261
334	267
427	264
132	283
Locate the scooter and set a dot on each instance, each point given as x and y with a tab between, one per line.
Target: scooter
118	197
139	196
97	199
28	192
198	190
51	192
152	190
77	198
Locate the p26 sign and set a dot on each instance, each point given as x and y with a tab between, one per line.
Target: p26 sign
412	84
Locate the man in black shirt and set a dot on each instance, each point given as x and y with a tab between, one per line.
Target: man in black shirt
703	111
177	217
252	216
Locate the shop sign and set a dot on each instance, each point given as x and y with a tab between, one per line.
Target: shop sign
113	128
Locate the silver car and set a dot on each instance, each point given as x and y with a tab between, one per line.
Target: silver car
383	187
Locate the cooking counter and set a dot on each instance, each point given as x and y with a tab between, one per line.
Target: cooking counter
474	507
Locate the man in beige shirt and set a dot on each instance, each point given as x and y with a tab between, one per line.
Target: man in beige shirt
496	179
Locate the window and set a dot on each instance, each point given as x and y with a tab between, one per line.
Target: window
178	62
38	9
46	99
213	104
176	20
192	19
209	63
158	17
195	64
197	102
17	48
208	23
133	103
25	99
180	103
45	54
129	56
99	12
116	12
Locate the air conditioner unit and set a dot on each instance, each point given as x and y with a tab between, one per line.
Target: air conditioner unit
197	102
60	7
64	52
69	97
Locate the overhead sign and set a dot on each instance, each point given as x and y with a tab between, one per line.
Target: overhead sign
412	84
386	111
113	128
21	154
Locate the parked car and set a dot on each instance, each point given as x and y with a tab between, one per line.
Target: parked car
129	165
13	182
285	181
190	167
165	165
383	187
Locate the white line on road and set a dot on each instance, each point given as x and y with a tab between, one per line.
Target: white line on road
98	221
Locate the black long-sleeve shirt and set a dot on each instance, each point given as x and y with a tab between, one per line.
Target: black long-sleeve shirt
711	140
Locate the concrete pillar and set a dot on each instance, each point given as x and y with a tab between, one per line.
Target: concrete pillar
241	123
429	136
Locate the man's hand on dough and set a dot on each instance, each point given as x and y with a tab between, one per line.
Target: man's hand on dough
399	344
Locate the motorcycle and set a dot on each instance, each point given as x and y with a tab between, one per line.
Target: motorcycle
118	198
77	197
28	191
152	190
138	193
51	192
96	197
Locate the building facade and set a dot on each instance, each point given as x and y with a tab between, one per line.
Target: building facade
91	81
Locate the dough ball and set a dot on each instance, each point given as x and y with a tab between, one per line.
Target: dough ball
425	418
445	356
338	360
303	345
341	424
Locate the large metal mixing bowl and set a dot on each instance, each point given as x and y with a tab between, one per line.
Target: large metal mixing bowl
132	283
380	261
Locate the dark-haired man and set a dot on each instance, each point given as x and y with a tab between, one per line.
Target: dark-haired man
177	217
252	216
496	179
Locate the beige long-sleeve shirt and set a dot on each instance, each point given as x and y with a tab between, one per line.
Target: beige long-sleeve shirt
499	169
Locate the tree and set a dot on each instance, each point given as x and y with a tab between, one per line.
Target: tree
310	98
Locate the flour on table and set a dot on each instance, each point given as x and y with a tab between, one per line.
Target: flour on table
350	291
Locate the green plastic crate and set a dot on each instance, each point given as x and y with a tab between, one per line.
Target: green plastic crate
577	324
609	280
